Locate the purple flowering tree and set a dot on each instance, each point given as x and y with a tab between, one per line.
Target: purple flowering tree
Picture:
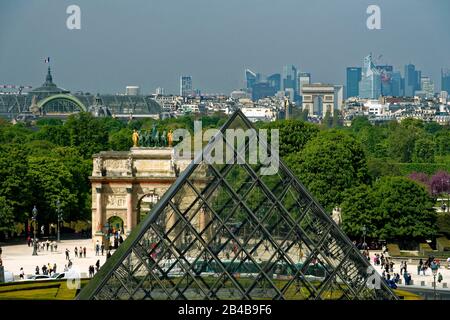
440	183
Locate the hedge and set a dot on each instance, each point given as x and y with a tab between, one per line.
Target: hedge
394	250
425	249
443	244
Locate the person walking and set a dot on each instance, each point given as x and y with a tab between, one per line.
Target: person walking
22	274
37	270
54	268
84	252
80	252
76	252
102	247
97	248
67	254
97	265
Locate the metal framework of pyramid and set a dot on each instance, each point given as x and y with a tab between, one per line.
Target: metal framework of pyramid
228	232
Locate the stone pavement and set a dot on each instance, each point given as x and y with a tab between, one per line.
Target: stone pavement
20	256
412	269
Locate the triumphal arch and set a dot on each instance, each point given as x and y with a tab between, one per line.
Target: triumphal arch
126	184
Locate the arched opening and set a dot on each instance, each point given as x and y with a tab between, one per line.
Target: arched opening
114	232
145	204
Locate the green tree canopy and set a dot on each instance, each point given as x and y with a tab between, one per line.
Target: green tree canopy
329	164
394	208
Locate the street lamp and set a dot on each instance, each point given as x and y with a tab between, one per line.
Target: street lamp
364	230
434	269
60	218
34	218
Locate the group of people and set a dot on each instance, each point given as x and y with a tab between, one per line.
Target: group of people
46	270
99	247
79	253
52	245
93	270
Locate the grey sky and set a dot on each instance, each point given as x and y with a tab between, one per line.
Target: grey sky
150	43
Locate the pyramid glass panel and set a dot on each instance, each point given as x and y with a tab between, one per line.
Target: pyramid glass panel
227	231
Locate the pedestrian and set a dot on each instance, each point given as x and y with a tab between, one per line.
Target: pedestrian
47	243
56	246
1	251
44	269
67	254
97	265
69	265
102	247
84	252
76	252
22	274
37	270
80	252
108	255
97	248
54	268
51	247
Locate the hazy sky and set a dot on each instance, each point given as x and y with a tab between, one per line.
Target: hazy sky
151	43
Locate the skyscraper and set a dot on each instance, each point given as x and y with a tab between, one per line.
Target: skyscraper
427	87
396	84
353	78
275	81
302	79
250	79
412	80
370	84
445	80
290	78
186	86
386	79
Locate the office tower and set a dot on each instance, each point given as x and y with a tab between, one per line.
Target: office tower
250	79
443	97
427	86
338	97
262	90
445	80
353	78
132	90
160	91
186	86
303	78
412	80
386	79
370	84
396	84
275	81
290	78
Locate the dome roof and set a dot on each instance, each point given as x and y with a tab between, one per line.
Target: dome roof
48	86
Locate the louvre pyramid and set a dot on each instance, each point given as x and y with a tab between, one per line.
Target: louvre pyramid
228	232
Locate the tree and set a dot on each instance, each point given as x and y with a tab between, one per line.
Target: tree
403	209
393	208
360	122
294	134
88	134
6	216
424	150
329	164
121	140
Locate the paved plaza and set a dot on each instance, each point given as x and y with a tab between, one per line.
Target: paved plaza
20	256
412	269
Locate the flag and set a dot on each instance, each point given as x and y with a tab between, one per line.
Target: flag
47	60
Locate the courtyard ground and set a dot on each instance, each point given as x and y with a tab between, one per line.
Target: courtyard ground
18	256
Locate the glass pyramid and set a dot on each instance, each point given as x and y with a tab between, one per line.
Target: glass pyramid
229	232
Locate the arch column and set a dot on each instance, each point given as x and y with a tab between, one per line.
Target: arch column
99	215
129	201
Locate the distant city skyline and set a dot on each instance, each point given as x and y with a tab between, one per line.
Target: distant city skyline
152	44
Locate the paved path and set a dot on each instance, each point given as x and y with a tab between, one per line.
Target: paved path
16	256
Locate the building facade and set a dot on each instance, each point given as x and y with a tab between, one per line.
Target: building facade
186	88
318	99
353	78
370	84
